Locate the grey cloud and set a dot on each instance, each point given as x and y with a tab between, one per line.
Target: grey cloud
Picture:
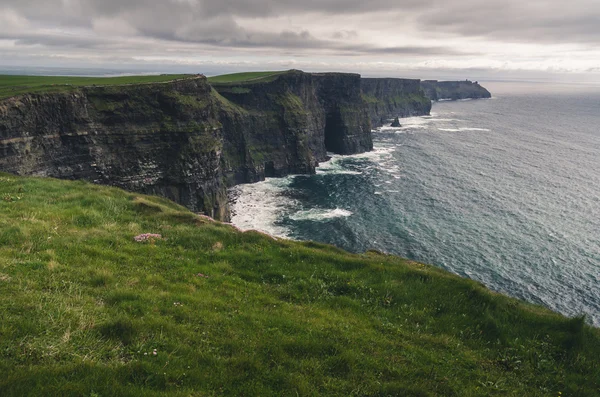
209	26
345	35
520	21
405	50
533	21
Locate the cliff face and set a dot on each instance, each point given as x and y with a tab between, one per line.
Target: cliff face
188	141
438	90
162	139
388	98
287	124
183	140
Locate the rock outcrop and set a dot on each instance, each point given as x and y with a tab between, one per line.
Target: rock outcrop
396	123
388	98
454	90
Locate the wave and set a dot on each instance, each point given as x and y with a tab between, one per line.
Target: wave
417	122
464	129
317	214
333	166
258	206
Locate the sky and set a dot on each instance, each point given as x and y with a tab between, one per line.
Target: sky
476	39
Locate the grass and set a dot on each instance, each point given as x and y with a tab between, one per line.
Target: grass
84	308
248	77
17	85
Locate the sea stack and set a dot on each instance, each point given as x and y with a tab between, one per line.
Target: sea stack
396	123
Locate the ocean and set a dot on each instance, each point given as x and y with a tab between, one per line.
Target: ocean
505	191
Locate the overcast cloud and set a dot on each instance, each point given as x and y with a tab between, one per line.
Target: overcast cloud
376	37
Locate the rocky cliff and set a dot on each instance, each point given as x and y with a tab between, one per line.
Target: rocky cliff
453	90
188	141
163	139
298	118
183	139
388	98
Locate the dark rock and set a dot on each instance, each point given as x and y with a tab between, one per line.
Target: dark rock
396	123
389	97
163	139
454	90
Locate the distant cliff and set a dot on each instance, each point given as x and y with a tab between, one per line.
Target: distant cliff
188	140
453	90
388	98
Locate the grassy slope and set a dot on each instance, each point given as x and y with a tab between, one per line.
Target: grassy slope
244	77
16	85
81	303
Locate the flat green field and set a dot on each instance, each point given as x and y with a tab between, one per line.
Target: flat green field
16	85
206	310
249	77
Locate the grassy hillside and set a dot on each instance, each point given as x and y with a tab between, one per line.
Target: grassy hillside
245	77
16	85
86	310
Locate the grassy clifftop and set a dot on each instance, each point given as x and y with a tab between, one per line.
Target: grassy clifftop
17	85
85	309
246	77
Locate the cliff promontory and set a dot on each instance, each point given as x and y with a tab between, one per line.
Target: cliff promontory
388	98
287	123
164	139
454	90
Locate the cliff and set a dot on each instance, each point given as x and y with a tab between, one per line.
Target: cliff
183	140
298	117
163	139
388	98
439	90
188	140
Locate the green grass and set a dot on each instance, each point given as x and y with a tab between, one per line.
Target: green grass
248	77
17	85
83	306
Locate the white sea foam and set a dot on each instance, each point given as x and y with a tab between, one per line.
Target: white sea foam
318	214
417	122
333	166
464	129
378	153
259	206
